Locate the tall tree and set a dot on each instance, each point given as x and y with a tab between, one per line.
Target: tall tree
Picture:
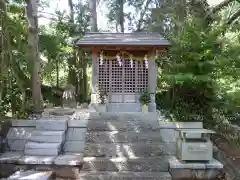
121	15
93	9
33	54
72	76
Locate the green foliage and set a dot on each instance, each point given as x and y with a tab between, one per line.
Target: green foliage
144	98
192	70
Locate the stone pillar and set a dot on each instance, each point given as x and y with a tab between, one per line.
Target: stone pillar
152	82
94	76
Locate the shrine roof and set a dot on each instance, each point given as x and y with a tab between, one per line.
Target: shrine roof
123	39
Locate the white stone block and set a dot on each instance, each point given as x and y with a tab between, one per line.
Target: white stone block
41	152
48	136
69	159
77	123
30	175
16	145
167	125
37	159
24	123
175	163
74	146
189	125
214	164
52	125
23	133
76	134
35	145
168	135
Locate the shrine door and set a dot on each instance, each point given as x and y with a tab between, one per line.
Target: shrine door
122	83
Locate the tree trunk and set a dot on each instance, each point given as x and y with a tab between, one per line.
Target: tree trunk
72	76
121	15
33	55
93	8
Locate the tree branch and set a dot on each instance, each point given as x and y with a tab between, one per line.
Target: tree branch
234	17
221	5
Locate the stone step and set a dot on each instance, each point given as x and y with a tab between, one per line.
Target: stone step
138	164
134	126
129	150
51	125
122	137
48	136
124	175
123	116
42	149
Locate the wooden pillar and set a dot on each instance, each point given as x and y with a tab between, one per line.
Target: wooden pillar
152	82
94	76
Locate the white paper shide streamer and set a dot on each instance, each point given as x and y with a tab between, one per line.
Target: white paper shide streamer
119	60
131	62
101	59
146	61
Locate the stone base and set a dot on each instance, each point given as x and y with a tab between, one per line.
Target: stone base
124	107
211	170
190	174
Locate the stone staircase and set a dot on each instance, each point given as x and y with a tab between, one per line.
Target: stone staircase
126	146
47	139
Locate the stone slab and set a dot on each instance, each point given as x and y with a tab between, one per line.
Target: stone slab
22	133
35	145
77	123
129	150
76	134
123	116
24	123
42	149
41	160
41	152
175	163
139	164
10	157
69	159
134	126
214	164
16	145
189	125
167	125
169	135
48	136
201	174
51	125
31	175
125	175
74	146
122	137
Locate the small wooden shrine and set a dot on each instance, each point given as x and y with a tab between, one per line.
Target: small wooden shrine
123	64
